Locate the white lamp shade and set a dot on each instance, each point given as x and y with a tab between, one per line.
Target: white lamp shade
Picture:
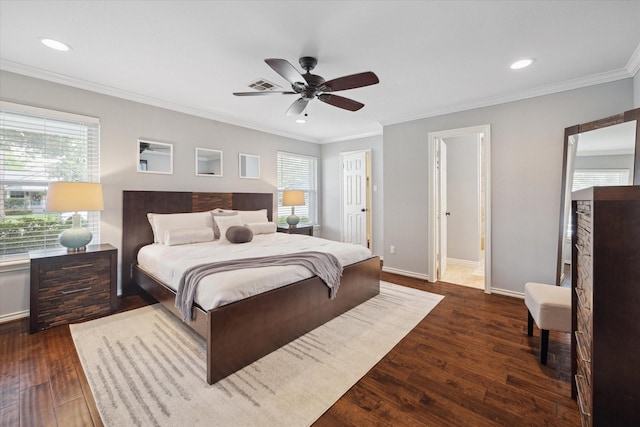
74	197
293	198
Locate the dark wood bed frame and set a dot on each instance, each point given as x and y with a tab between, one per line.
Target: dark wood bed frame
240	333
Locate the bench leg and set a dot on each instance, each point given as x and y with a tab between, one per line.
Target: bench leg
544	346
529	324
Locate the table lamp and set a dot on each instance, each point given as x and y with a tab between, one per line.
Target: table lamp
74	197
293	198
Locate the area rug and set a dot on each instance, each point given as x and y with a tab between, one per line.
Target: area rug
146	368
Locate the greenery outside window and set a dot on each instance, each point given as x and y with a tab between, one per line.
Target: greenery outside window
298	172
38	146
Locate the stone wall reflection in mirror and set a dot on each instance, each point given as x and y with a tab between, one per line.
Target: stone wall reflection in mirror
208	162
249	166
155	157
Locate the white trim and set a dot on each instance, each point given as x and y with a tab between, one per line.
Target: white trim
634	62
45	112
507	293
456	261
431	184
18	264
595	79
406	273
14	316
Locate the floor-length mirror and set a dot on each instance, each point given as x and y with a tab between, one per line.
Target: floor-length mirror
604	152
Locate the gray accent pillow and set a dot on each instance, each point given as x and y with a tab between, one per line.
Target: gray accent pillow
239	234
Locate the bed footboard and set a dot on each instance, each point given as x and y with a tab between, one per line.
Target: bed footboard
243	332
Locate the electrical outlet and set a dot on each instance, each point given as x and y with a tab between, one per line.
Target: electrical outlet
392	249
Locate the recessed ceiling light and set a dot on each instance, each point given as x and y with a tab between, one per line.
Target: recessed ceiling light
521	64
55	44
301	121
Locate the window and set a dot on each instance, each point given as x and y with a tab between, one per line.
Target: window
38	146
298	172
585	178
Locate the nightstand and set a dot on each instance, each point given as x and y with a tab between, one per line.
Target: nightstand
68	287
304	229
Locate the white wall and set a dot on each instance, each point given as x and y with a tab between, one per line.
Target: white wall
463	198
331	182
636	90
526	166
122	122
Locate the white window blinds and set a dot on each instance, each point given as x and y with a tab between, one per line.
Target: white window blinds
298	172
585	178
38	146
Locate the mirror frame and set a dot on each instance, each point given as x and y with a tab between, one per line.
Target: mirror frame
198	150
140	161
240	156
627	116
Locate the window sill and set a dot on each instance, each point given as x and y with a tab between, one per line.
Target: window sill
14	265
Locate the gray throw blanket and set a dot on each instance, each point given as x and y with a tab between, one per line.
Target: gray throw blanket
324	265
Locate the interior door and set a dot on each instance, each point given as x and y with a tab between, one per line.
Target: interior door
355	195
443	213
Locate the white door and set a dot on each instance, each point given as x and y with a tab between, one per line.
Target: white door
355	198
443	213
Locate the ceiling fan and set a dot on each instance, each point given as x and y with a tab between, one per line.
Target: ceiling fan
310	86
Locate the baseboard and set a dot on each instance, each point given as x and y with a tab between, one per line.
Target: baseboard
463	262
14	316
406	273
508	293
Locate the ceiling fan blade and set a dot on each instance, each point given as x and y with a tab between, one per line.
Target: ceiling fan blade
350	82
286	70
266	92
297	107
340	102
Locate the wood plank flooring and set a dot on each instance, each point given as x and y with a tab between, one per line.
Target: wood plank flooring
468	363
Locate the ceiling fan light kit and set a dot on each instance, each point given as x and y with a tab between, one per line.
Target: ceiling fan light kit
310	86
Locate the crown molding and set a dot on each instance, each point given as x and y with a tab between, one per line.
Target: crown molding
143	99
634	62
592	80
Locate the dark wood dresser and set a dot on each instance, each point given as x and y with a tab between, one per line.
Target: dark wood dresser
605	278
72	286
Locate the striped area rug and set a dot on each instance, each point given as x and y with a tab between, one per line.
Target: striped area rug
145	368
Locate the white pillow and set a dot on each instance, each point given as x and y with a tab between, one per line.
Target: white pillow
262	227
183	236
250	217
216	213
164	222
224	222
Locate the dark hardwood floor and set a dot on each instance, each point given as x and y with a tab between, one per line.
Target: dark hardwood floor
468	363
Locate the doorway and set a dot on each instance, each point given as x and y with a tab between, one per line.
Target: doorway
459	220
356	197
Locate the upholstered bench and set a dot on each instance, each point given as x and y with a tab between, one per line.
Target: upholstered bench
550	307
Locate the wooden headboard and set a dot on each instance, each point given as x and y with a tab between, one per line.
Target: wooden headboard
136	230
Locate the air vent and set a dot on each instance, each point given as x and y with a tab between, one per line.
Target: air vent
264	85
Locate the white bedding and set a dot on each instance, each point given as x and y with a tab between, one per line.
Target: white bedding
168	263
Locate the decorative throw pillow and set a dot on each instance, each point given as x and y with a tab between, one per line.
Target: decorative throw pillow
262	227
216	228
239	234
224	222
183	236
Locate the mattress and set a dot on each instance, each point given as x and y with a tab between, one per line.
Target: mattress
168	263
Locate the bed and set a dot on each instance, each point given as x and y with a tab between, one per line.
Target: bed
240	332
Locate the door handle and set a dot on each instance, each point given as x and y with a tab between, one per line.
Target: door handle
447	213
363	210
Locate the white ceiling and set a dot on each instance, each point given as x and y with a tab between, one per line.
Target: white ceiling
432	57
